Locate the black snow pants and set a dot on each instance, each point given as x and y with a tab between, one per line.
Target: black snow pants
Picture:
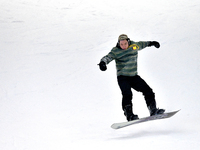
138	84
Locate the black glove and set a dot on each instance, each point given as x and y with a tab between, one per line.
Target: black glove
102	66
154	43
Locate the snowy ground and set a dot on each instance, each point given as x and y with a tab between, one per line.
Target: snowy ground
54	97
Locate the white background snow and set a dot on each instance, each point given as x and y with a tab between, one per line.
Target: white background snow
53	95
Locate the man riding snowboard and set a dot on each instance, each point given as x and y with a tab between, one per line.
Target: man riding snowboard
125	55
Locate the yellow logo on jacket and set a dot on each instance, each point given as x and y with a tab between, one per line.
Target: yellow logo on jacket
135	47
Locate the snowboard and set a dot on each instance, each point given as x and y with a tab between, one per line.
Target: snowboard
145	119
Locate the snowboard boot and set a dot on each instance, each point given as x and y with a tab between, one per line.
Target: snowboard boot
128	112
155	111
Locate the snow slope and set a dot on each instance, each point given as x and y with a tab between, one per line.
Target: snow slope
53	95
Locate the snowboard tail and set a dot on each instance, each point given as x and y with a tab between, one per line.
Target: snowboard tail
145	119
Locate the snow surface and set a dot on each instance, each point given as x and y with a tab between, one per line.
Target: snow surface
53	95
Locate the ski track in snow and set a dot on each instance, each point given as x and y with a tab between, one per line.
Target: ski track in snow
53	95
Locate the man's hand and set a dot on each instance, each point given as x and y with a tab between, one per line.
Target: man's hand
102	66
154	43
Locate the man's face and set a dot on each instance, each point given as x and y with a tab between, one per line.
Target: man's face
123	44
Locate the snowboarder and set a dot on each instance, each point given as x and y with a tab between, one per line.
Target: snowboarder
125	54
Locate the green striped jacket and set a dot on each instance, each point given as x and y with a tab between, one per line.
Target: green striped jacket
126	60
